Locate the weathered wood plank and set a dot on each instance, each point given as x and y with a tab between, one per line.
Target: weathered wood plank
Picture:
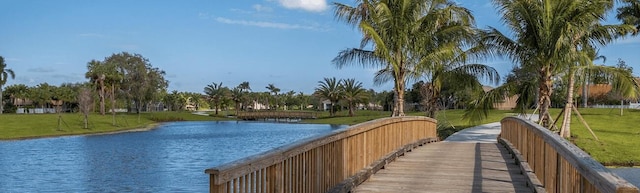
450	167
560	165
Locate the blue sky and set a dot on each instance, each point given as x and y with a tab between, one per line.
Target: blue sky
289	43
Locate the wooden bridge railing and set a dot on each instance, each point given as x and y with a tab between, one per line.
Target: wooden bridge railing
555	164
276	115
338	161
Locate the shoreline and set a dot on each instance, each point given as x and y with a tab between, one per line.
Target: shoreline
148	127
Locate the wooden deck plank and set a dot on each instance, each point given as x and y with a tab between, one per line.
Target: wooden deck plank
450	167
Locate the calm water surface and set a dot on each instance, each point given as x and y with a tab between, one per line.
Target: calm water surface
171	158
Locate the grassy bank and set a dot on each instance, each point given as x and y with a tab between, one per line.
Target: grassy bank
21	126
619	136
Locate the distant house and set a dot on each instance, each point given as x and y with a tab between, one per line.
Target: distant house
507	103
596	90
600	91
258	106
326	105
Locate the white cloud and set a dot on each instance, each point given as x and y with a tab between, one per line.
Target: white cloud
307	5
265	24
262	8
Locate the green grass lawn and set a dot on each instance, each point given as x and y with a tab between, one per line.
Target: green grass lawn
619	136
20	126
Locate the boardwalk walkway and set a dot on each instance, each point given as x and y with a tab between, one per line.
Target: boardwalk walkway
470	161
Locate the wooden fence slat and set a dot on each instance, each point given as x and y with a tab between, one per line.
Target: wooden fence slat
559	164
320	163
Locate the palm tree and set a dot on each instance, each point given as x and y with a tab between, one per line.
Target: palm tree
244	86
330	89
400	33
630	13
587	78
547	37
237	96
353	93
5	74
216	95
464	76
97	75
275	90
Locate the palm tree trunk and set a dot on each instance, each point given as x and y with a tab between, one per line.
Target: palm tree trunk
86	120
398	109
351	106
1	103
113	105
565	130
585	94
237	108
102	98
546	86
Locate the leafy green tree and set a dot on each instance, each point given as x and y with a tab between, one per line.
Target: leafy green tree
5	74
629	13
330	89
403	35
353	93
547	37
139	81
216	94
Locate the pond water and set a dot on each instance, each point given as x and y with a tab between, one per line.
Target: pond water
171	158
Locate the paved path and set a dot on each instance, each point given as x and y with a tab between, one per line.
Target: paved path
467	161
487	133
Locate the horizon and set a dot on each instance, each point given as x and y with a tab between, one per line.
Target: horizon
288	43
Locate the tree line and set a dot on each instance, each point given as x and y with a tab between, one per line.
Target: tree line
553	43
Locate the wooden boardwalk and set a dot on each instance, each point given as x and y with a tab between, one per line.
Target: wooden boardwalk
450	167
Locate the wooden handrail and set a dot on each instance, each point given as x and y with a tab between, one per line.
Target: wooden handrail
320	163
559	165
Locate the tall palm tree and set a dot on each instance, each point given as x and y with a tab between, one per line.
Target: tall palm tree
464	75
97	75
353	93
244	86
237	96
587	77
400	32
275	90
5	74
216	94
547	37
330	89
630	13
